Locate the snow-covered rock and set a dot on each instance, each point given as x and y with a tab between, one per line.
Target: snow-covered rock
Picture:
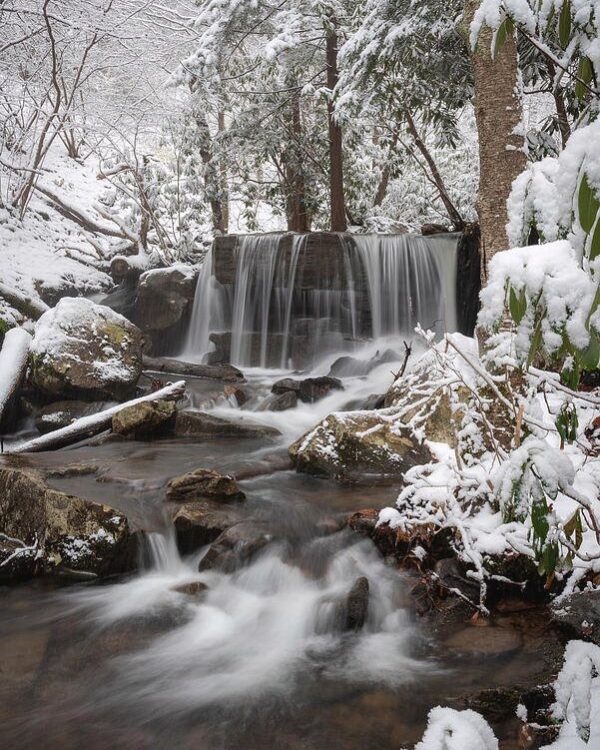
359	445
164	294
50	531
85	350
145	420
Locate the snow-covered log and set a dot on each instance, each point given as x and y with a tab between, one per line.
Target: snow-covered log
225	372
27	306
95	423
13	364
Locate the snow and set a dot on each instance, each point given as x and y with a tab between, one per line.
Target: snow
59	332
13	360
46	253
549	275
448	729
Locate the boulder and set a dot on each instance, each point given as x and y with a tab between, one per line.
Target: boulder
235	547
203	483
347	366
281	402
62	413
357	604
193	588
66	533
235	394
84	350
579	615
146	419
164	297
308	390
360	445
202	425
200	523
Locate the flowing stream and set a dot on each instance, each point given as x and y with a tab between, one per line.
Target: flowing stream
255	656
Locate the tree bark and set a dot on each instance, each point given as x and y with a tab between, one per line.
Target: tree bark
212	177
336	161
498	115
297	212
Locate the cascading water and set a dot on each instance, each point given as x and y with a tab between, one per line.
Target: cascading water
289	301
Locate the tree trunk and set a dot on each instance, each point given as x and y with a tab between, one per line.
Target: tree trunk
452	211
223	176
212	177
336	162
498	114
297	212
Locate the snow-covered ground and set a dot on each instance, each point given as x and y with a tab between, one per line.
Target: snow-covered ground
47	252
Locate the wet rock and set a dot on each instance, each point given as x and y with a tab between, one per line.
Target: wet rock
236	393
235	547
579	614
374	401
200	424
282	402
66	532
193	588
227	373
164	296
201	484
450	575
348	366
62	413
359	446
200	523
357	604
72	470
481	642
308	390
496	704
365	522
85	350
145	420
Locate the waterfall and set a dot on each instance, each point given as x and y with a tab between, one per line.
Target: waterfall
281	300
411	279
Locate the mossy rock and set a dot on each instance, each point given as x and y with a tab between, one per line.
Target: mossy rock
68	533
84	350
359	446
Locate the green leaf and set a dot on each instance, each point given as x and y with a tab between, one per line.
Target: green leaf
536	341
595	244
585	70
517	305
564	24
591	354
504	31
588	205
594	306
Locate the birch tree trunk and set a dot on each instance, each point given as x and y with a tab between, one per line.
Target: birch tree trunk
498	114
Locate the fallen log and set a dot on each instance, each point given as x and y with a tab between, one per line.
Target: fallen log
228	373
27	306
13	364
94	423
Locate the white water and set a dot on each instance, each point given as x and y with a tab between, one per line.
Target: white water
408	279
